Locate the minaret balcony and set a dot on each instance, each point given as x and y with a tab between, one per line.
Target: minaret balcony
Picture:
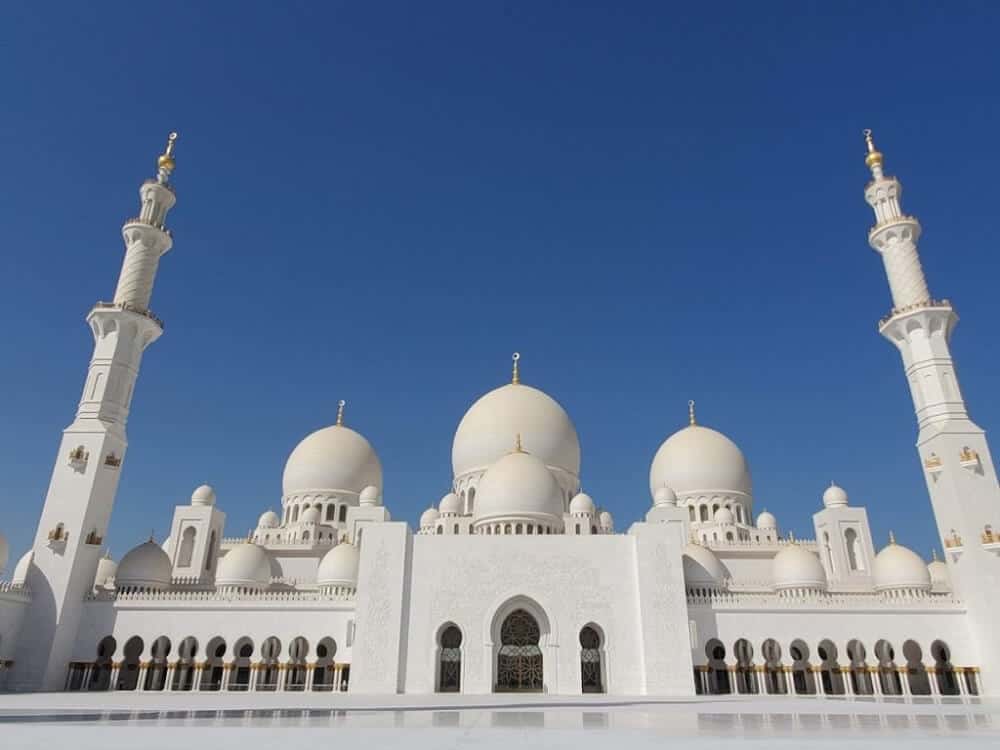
991	540
128	307
953	546
929	304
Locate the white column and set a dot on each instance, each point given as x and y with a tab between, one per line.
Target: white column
310	676
140	685
116	669
963	688
904	679
254	674
87	671
199	669
168	685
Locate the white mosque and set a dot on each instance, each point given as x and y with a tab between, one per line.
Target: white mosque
515	580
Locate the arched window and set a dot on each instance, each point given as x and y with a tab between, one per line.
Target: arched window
211	676
239	679
440	528
128	677
295	514
472	501
591	678
944	669
774	671
343	514
861	679
703	511
717	673
519	660
450	660
305	536
888	675
267	677
829	668
100	676
506	528
855	560
691	512
916	673
184	671
186	549
331	512
802	675
518	529
298	651
323	673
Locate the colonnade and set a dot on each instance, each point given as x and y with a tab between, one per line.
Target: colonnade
334	677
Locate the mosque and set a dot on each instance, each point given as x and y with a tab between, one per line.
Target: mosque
515	581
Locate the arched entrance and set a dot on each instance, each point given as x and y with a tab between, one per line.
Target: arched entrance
450	660
519	660
591	679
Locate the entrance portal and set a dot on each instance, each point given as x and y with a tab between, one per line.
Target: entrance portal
519	661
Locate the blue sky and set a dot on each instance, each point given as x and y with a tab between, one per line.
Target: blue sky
381	201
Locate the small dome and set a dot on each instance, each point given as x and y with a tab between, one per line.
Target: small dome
834	497
429	517
606	520
246	564
767	522
699	459
664	497
145	566
106	570
4	553
724	515
940	576
339	566
369	496
485	433
268	520
582	504
310	515
519	485
203	495
701	566
795	567
20	576
450	505
900	568
333	459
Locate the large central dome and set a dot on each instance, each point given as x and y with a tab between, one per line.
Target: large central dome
699	459
332	459
488	428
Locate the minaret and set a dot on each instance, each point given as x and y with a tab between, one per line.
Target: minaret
84	480
954	454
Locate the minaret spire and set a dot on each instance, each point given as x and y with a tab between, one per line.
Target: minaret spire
84	482
515	377
340	412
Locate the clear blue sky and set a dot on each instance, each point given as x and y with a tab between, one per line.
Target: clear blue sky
381	201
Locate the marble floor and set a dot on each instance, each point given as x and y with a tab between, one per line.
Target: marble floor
152	721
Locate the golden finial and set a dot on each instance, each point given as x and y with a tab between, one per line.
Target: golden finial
874	156
516	377
892	537
166	160
691	419
151	538
340	412
518	448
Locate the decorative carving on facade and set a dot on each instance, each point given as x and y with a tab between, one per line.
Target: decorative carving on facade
933	463
78	458
112	461
93	538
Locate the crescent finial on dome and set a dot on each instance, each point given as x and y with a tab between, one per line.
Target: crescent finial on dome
892	537
516	376
340	412
691	419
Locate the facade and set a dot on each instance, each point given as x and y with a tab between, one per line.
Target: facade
516	580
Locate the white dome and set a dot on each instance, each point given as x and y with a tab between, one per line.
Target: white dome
428	518
834	497
268	520
767	522
487	431
450	505
797	568
701	566
519	485
605	520
582	504
664	497
203	495
339	566
145	566
20	576
724	515
106	570
699	459
940	576
333	459
369	495
898	567
4	552
311	515
246	564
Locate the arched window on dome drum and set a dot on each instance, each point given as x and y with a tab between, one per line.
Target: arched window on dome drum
450	660
331	512
729	536
506	529
691	512
703	511
343	514
518	529
715	509
471	506
739	513
578	528
295	513
591	677
186	549
455	531
519	660
440	528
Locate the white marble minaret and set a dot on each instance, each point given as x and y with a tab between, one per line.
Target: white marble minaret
954	454
84	480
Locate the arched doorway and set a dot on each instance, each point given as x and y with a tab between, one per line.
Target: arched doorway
861	678
450	660
774	670
156	674
128	678
803	681
888	675
831	678
944	671
916	672
591	677
746	672
267	670
185	669
100	678
519	660
717	671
